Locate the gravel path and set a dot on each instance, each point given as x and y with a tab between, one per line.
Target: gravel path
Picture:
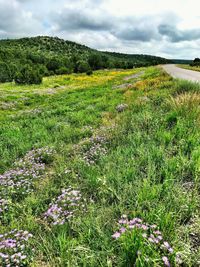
180	73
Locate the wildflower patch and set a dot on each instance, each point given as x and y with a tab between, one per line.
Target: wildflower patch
14	249
65	207
18	182
143	241
97	148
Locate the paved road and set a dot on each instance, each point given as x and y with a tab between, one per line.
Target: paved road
180	73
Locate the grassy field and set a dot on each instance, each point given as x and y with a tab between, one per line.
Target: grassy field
188	67
100	170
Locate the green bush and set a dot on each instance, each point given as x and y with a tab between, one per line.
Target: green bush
83	66
196	62
5	74
63	70
27	75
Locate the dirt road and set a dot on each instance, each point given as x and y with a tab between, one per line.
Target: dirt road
180	73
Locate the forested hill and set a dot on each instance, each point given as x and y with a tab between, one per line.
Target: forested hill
139	59
42	56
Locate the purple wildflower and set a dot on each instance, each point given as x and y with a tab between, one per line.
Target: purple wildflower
13	248
166	261
147	232
122	229
116	235
65	207
19	180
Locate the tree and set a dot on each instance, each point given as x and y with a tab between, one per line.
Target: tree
95	61
63	70
28	75
197	60
83	66
54	64
5	74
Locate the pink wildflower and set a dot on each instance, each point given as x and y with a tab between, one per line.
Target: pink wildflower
116	235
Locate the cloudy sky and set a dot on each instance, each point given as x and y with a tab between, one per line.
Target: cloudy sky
169	28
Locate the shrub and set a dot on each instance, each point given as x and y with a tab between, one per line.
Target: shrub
83	66
196	62
27	75
54	64
5	74
63	70
95	61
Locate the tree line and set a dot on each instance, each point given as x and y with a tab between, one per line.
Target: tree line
28	60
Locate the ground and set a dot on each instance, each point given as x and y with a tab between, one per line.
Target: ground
182	73
100	170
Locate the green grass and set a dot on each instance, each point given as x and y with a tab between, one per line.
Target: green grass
150	168
188	67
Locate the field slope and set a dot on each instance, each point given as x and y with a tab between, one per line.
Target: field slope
100	170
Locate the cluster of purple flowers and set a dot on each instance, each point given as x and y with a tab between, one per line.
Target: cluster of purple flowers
97	148
26	170
150	233
13	248
65	207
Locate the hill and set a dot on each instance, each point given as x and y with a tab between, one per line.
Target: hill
139	59
181	61
27	60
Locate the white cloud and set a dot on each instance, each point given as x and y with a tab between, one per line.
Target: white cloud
166	28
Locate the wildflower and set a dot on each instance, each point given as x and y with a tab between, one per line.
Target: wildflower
13	244
122	230
144	227
65	207
166	244
144	235
116	235
166	261
159	237
153	226
123	221
147	232
19	180
157	232
97	149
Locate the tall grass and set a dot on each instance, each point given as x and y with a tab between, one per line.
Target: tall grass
140	163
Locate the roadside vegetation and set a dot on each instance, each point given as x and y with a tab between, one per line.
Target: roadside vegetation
195	65
100	170
189	67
